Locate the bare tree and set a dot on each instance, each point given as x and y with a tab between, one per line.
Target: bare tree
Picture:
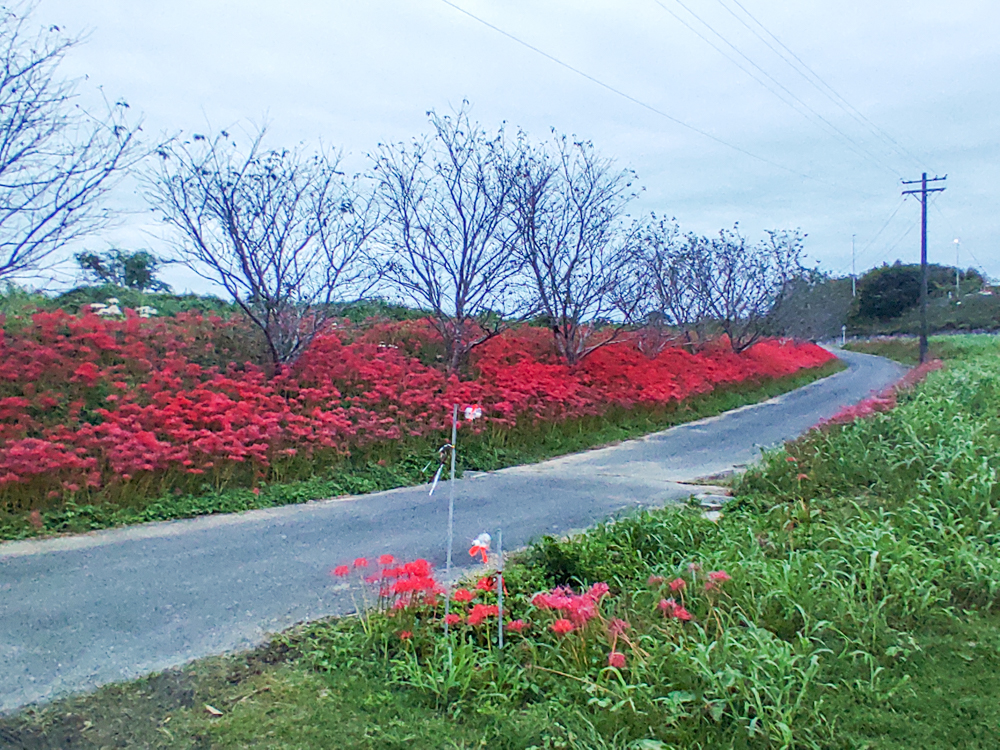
57	161
747	283
283	232
448	232
675	271
568	205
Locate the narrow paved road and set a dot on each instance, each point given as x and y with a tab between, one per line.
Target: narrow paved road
78	612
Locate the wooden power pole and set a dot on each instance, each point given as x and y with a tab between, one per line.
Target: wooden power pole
921	193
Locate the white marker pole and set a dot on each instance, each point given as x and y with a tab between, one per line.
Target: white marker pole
451	524
500	588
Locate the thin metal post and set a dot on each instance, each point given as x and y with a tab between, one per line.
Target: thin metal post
854	270
451	524
958	291
500	588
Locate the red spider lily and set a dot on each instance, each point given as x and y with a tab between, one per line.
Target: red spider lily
800	477
670	608
463	595
516	626
655	581
486	583
482	612
386	560
562	627
716	578
678	584
453	619
616	659
173	411
360	562
405	635
579	608
597	591
411	584
418	567
791	459
341	570
617	626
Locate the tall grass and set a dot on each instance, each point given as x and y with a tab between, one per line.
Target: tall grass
843	549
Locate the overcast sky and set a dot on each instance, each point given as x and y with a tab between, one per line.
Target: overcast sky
918	83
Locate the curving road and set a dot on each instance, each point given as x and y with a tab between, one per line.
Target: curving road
78	612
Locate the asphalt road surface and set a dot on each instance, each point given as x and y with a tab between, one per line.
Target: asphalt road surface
82	611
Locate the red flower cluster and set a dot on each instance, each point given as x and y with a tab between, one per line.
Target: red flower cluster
480	613
886	399
670	608
578	608
91	403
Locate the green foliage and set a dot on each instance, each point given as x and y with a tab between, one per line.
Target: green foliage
164	303
888	291
972	313
19	303
906	349
891	292
361	310
132	270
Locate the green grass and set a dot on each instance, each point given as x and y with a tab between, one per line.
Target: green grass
906	349
276	700
407	463
862	613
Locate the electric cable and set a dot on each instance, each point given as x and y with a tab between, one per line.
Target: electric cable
874	239
951	226
820	83
853	145
649	107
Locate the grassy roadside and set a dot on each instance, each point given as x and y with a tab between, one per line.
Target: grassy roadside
861	613
273	698
906	349
406	463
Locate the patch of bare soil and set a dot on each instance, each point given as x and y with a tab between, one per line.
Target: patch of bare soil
137	714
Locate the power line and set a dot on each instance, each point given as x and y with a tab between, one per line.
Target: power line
858	148
951	226
820	84
877	234
643	104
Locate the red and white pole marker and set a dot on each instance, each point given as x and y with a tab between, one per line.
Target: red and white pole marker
481	546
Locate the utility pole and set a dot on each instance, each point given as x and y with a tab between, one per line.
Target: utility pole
854	271
922	196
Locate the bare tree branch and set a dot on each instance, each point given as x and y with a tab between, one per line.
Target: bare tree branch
448	231
57	161
746	283
283	232
568	205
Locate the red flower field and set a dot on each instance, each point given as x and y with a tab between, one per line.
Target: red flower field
89	403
